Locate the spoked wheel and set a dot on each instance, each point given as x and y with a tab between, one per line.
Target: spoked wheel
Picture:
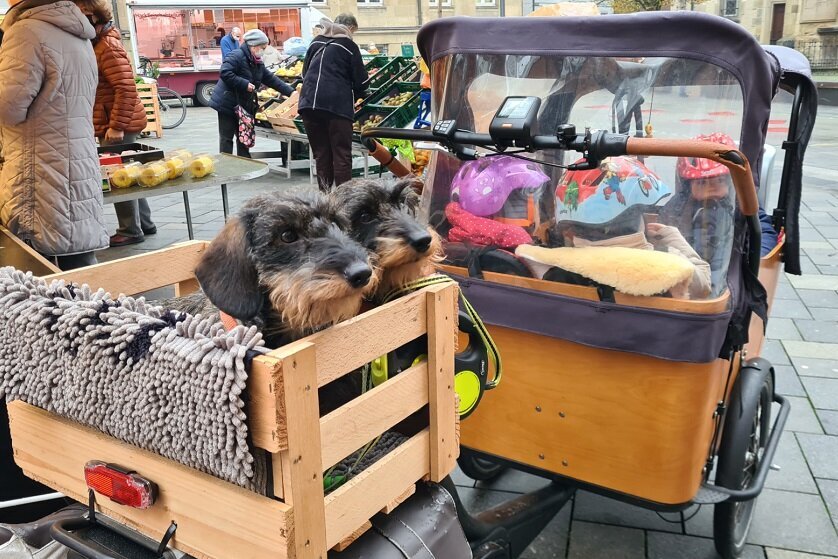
746	429
172	108
478	466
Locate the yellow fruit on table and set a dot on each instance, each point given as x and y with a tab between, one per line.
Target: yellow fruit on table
125	177
154	174
176	166
201	166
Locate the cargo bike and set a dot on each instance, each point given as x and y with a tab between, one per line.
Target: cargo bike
576	135
627	387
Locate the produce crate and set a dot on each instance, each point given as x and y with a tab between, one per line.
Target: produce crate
395	89
218	520
410	73
387	73
298	124
151	104
282	115
366	113
376	61
405	115
145	153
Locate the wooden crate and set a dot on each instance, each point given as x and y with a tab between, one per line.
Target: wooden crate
219	520
282	117
151	102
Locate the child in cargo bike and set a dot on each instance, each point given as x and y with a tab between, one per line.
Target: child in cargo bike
702	210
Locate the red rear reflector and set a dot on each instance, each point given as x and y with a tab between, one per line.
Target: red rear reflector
121	486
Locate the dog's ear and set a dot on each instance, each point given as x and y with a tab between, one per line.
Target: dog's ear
227	275
408	189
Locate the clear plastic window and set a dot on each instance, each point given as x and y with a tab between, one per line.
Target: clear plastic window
163	36
181	39
521	217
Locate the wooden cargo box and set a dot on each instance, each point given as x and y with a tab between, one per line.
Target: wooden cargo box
217	519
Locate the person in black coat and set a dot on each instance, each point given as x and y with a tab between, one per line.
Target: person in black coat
242	74
333	78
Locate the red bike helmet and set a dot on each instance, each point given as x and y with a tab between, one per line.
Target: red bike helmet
690	168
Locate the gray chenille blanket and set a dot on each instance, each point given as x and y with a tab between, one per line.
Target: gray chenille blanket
165	381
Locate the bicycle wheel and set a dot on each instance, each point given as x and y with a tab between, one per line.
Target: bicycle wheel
172	108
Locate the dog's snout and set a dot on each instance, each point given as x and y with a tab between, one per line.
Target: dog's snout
358	274
420	241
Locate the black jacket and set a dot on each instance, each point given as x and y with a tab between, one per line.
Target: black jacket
238	70
333	76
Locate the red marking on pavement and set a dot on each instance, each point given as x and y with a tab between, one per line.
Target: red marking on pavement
781	129
722	113
654	111
598	107
776	122
696	120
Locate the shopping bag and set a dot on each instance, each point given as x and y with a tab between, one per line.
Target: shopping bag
246	134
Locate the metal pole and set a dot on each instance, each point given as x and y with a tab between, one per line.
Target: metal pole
30	500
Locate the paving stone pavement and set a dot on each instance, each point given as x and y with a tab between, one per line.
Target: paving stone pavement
797	515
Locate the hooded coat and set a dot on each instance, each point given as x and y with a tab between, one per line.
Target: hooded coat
50	182
333	73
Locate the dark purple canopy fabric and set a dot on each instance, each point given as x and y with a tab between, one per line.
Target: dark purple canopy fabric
691	35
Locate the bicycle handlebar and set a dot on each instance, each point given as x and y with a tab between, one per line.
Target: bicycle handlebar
596	146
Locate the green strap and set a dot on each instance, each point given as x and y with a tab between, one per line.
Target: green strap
486	338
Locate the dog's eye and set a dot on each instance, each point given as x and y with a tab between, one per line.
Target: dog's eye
366	216
288	236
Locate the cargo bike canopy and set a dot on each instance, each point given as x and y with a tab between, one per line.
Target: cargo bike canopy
671	75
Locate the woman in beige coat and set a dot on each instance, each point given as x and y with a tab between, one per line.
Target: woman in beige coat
50	182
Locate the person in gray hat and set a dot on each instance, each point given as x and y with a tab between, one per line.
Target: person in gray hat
242	74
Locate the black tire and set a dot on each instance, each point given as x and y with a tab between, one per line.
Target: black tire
478	466
746	429
172	108
203	93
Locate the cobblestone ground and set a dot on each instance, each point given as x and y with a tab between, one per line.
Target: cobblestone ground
797	514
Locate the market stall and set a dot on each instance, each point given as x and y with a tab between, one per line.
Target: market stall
183	39
393	100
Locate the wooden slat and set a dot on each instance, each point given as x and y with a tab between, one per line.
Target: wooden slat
357	341
392	505
215	519
350	539
34	254
137	274
277	476
265	409
349	506
299	372
353	425
442	336
151	103
184	288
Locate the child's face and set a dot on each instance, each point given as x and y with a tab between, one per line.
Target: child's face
714	188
